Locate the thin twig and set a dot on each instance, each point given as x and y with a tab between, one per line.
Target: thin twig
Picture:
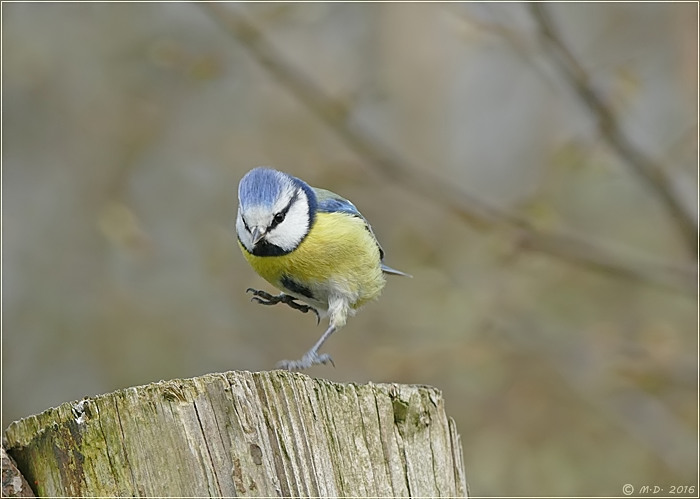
335	113
651	173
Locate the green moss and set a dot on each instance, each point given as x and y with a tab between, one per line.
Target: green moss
400	411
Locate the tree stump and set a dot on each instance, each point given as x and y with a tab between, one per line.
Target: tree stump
244	434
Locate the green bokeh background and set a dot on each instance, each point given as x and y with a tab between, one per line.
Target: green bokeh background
127	126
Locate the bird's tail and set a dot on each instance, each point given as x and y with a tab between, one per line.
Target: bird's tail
388	270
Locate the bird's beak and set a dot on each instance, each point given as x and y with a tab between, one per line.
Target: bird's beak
258	233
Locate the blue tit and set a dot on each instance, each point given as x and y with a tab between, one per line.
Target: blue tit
311	244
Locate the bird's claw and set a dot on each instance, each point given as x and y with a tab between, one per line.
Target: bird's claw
265	298
302	308
308	360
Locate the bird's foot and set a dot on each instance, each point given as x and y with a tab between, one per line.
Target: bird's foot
309	359
265	298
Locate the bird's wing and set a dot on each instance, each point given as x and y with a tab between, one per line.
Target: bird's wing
331	202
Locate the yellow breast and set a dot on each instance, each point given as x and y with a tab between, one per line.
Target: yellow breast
338	255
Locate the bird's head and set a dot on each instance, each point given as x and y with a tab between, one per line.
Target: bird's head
275	212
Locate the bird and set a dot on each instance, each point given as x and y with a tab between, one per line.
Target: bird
311	244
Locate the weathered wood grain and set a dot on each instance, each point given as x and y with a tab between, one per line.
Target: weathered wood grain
244	434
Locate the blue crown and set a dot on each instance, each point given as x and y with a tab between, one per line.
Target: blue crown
261	186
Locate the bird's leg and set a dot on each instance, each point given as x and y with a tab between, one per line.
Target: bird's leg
312	357
265	298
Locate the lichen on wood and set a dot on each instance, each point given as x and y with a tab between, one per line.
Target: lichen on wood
244	434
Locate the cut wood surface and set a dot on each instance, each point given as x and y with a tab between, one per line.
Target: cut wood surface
270	433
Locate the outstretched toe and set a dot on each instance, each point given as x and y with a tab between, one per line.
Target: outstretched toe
305	362
264	297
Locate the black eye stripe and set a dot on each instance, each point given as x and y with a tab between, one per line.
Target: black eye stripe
281	215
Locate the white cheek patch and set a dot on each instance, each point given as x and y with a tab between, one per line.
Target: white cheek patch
290	232
245	237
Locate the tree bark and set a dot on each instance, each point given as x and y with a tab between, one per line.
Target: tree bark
13	483
244	434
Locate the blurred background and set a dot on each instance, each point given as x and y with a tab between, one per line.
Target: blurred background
533	167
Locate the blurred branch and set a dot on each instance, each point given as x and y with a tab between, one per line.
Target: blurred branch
336	114
651	173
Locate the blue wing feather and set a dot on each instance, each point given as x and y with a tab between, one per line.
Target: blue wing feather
330	202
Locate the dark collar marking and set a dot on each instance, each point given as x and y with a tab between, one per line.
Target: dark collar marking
263	248
295	287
